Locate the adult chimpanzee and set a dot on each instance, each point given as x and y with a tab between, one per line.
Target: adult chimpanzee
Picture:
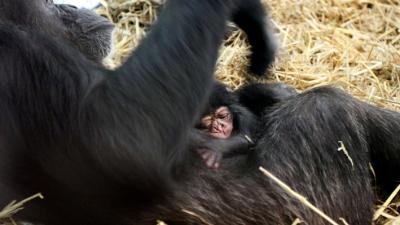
299	144
229	124
100	145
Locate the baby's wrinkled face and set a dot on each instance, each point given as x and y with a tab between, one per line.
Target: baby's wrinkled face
219	124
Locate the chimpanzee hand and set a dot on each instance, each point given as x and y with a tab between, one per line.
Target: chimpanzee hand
211	157
215	149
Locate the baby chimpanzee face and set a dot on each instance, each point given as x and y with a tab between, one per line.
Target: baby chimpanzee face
219	124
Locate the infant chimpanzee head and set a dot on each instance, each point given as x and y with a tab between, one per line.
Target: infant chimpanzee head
218	118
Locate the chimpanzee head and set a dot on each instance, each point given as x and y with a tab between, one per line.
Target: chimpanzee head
82	28
219	118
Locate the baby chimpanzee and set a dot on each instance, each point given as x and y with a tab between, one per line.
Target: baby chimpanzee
229	122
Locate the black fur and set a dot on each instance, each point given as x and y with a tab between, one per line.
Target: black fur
299	144
244	104
243	119
101	145
81	28
260	38
258	97
245	125
90	33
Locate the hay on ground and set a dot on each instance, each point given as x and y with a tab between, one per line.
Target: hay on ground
351	44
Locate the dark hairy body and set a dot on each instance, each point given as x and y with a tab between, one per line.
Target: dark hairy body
225	127
299	144
102	145
230	121
110	147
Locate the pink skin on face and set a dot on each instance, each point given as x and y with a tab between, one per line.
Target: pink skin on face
219	124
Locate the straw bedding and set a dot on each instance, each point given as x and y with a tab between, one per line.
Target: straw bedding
351	44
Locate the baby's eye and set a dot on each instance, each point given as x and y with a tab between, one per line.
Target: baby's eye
224	116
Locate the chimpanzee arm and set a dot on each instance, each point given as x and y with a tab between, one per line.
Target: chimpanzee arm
258	97
260	38
147	106
100	144
121	129
235	144
212	150
136	119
